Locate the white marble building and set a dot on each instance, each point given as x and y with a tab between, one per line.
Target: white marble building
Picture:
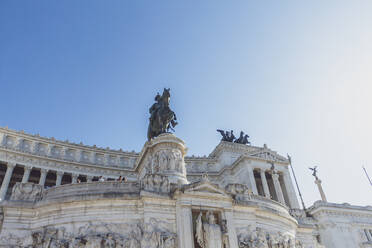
238	196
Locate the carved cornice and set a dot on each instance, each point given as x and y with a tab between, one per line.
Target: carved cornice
321	208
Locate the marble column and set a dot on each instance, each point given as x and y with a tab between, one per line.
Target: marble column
26	174
89	179
184	224
293	201
59	177
264	183
74	178
6	180
252	180
319	184
43	174
278	189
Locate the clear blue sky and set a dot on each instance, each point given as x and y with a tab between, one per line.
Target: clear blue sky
293	74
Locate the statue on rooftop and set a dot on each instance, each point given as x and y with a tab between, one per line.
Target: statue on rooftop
314	172
226	135
230	137
162	118
243	139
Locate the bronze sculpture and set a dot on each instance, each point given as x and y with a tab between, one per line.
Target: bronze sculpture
230	137
162	117
314	170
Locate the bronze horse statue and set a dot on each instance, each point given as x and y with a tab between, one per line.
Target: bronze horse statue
162	117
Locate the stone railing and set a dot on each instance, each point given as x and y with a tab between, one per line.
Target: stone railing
265	203
32	193
63	150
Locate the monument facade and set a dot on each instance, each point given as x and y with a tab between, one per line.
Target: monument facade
60	194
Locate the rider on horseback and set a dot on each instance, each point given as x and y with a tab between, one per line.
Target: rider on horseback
162	117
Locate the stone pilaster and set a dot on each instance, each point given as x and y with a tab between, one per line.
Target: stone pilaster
264	183
6	180
278	188
43	174
59	178
184	227
26	174
231	229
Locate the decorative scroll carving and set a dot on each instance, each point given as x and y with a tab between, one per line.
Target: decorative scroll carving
26	192
250	237
155	183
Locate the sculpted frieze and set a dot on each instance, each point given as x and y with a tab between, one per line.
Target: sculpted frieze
156	234
153	234
155	183
256	237
26	192
165	160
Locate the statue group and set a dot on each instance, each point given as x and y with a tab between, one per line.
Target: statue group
230	137
162	118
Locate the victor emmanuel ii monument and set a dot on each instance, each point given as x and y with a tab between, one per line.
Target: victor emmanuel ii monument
60	194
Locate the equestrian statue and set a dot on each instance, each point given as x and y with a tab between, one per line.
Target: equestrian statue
162	118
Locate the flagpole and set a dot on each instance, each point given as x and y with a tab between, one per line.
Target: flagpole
367	175
298	188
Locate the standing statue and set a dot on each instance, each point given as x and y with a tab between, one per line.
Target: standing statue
162	118
208	234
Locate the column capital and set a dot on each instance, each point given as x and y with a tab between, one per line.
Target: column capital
43	171
74	175
11	164
275	175
27	168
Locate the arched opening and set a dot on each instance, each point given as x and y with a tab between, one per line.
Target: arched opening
34	176
270	183
257	178
83	179
66	179
16	177
50	179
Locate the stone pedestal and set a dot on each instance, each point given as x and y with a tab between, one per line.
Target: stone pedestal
164	155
